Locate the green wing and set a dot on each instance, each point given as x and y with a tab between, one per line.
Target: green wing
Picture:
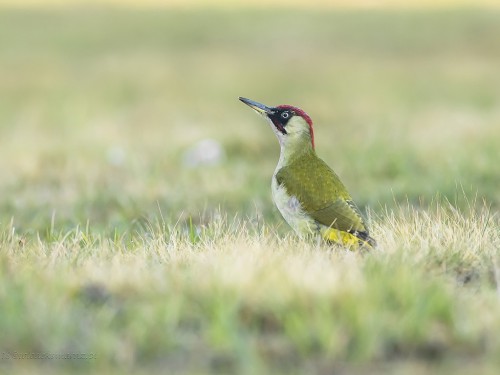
342	215
321	194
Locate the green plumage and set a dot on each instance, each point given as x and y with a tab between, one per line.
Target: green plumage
309	195
321	193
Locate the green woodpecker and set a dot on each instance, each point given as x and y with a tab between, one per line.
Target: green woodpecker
307	192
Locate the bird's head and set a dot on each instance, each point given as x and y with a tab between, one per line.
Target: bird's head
292	126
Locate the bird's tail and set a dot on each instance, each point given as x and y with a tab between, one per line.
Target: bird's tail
365	238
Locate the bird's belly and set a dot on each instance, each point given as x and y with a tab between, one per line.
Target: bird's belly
291	210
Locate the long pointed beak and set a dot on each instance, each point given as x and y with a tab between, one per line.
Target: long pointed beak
258	107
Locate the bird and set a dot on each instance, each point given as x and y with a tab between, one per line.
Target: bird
308	193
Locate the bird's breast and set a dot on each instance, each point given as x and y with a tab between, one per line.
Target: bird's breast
291	210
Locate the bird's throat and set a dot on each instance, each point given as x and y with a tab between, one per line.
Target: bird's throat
294	148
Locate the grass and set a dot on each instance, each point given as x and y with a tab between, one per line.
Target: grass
112	248
236	297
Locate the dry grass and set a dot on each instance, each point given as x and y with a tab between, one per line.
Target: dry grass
231	296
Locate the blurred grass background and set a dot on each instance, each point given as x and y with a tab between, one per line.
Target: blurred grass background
98	107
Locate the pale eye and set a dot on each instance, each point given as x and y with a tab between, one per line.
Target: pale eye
285	115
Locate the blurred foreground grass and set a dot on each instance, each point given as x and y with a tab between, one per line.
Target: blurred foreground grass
235	297
111	245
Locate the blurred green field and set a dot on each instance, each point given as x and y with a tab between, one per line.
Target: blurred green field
110	244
